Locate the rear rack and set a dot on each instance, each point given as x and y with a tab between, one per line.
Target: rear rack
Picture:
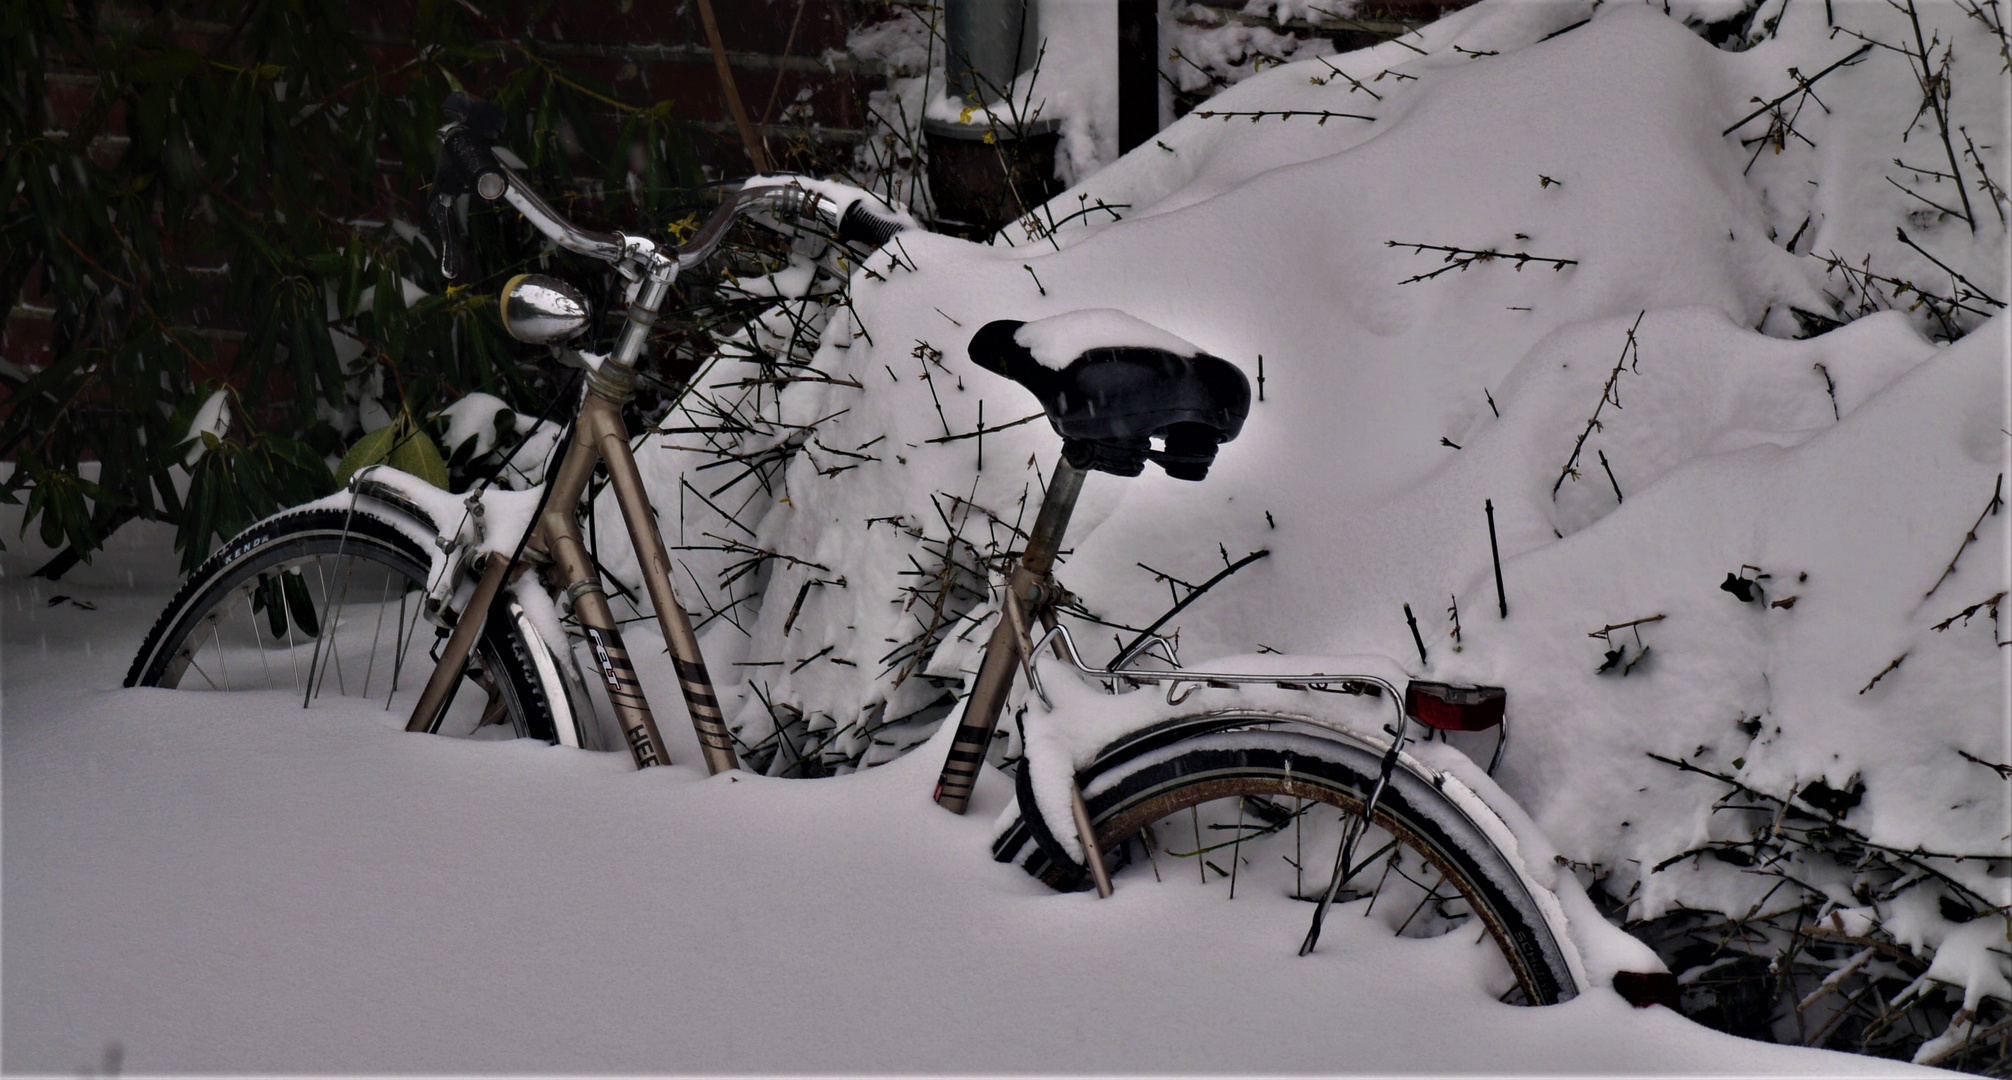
1437	705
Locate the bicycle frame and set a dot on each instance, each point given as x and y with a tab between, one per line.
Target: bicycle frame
598	437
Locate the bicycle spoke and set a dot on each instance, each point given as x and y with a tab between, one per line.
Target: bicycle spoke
376	635
405	642
277	596
331	615
1298	851
314	661
258	641
1236	848
1472	888
1200	863
1377	893
198	668
334	626
1430	895
217	639
493	709
309	585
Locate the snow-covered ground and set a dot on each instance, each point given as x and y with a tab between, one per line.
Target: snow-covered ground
249	887
252	886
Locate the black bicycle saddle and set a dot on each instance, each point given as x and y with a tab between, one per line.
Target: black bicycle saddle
1108	404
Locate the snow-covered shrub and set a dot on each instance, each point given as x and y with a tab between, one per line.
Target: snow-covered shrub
1723	405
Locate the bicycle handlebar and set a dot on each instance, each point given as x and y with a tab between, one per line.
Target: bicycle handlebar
466	164
607	247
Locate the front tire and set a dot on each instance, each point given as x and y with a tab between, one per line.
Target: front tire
254	616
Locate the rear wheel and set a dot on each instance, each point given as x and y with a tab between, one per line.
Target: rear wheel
1251	803
327	601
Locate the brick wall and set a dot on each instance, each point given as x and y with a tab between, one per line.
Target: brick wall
781	53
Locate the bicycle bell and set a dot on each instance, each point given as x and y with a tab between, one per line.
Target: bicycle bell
542	310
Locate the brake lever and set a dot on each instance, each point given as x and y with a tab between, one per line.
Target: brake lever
453	252
463	165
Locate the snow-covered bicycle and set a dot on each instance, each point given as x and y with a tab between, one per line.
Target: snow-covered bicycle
1234	762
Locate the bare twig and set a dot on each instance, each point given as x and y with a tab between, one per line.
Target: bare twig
1935	93
1830	388
1194	593
1367	29
1986	12
1984	182
2004	771
1960	279
1284	114
1604	631
1802	86
1970	537
1354	83
1607	394
1990	602
1458	258
1883	673
986	430
1860	280
1917	195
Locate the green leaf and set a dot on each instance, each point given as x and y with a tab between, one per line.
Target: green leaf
372	449
300	603
417	455
267	600
170	66
402	444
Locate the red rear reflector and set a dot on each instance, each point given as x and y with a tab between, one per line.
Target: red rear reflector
1454	708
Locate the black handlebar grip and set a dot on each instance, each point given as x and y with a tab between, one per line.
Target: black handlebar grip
465	164
478	116
863	226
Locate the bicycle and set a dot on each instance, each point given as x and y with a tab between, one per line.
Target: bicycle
408	539
1087	792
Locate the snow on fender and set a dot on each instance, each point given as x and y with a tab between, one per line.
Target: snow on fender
1601	954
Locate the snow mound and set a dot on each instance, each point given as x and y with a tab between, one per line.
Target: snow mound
1544	271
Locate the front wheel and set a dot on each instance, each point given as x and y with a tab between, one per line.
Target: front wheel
1249	801
326	601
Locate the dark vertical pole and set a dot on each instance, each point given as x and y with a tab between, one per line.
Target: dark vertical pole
1494	549
1138	72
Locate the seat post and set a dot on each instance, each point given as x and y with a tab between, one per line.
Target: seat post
1053	519
1002	653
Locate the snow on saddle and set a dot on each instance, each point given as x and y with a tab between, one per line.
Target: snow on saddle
1112	384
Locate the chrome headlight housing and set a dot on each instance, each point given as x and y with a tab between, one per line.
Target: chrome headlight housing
542	310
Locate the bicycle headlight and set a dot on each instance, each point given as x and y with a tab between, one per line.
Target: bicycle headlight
541	310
